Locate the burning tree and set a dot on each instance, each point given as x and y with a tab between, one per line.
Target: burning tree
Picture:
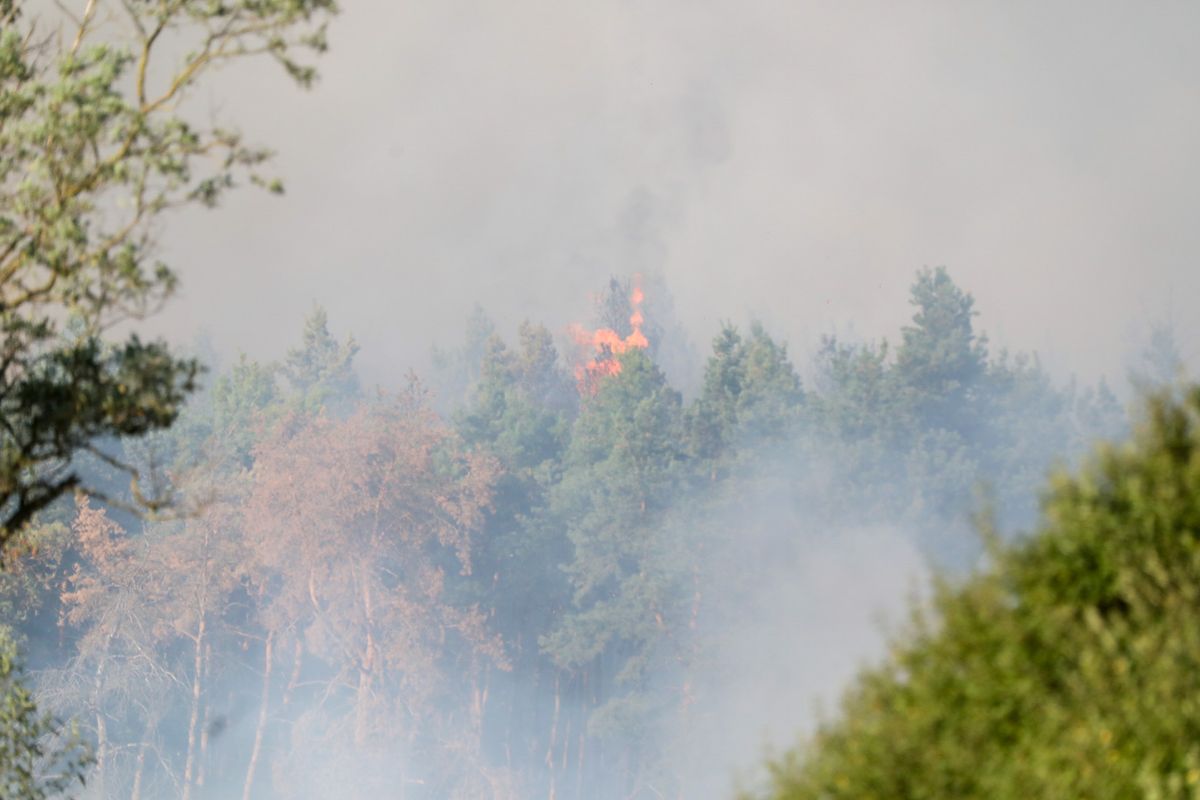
602	347
630	573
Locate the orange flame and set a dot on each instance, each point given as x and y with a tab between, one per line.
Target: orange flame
605	344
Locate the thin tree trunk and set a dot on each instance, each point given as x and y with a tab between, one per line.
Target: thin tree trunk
480	689
140	768
579	767
553	734
202	755
294	678
687	698
264	706
101	750
511	698
101	721
566	747
206	725
189	769
362	696
365	670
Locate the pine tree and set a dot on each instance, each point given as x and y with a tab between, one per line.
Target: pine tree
321	371
941	360
630	571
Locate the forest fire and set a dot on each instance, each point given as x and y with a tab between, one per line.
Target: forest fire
602	346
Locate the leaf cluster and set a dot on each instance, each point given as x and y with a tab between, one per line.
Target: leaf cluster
1064	670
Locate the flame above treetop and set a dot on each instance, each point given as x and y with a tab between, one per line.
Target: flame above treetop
602	346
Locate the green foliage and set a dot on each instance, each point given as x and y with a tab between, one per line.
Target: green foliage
856	399
320	371
750	395
93	150
61	398
630	569
940	359
242	401
1067	669
35	761
912	434
519	414
556	630
34	564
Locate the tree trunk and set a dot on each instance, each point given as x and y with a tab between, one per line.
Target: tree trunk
686	696
566	748
294	678
101	750
101	722
261	726
579	767
139	770
553	734
206	725
480	688
189	768
365	673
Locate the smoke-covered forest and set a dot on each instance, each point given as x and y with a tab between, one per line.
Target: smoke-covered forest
624	557
539	592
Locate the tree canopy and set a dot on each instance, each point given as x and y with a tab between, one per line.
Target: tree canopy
1062	670
527	588
95	147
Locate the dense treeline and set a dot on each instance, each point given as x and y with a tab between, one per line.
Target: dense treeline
520	597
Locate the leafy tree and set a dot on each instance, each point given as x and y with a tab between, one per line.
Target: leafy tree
116	680
356	524
1064	670
94	149
33	765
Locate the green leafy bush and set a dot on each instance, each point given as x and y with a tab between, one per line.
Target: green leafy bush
1069	668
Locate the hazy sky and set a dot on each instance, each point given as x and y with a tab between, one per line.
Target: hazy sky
792	161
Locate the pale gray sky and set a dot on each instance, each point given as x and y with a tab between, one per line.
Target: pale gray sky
792	161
